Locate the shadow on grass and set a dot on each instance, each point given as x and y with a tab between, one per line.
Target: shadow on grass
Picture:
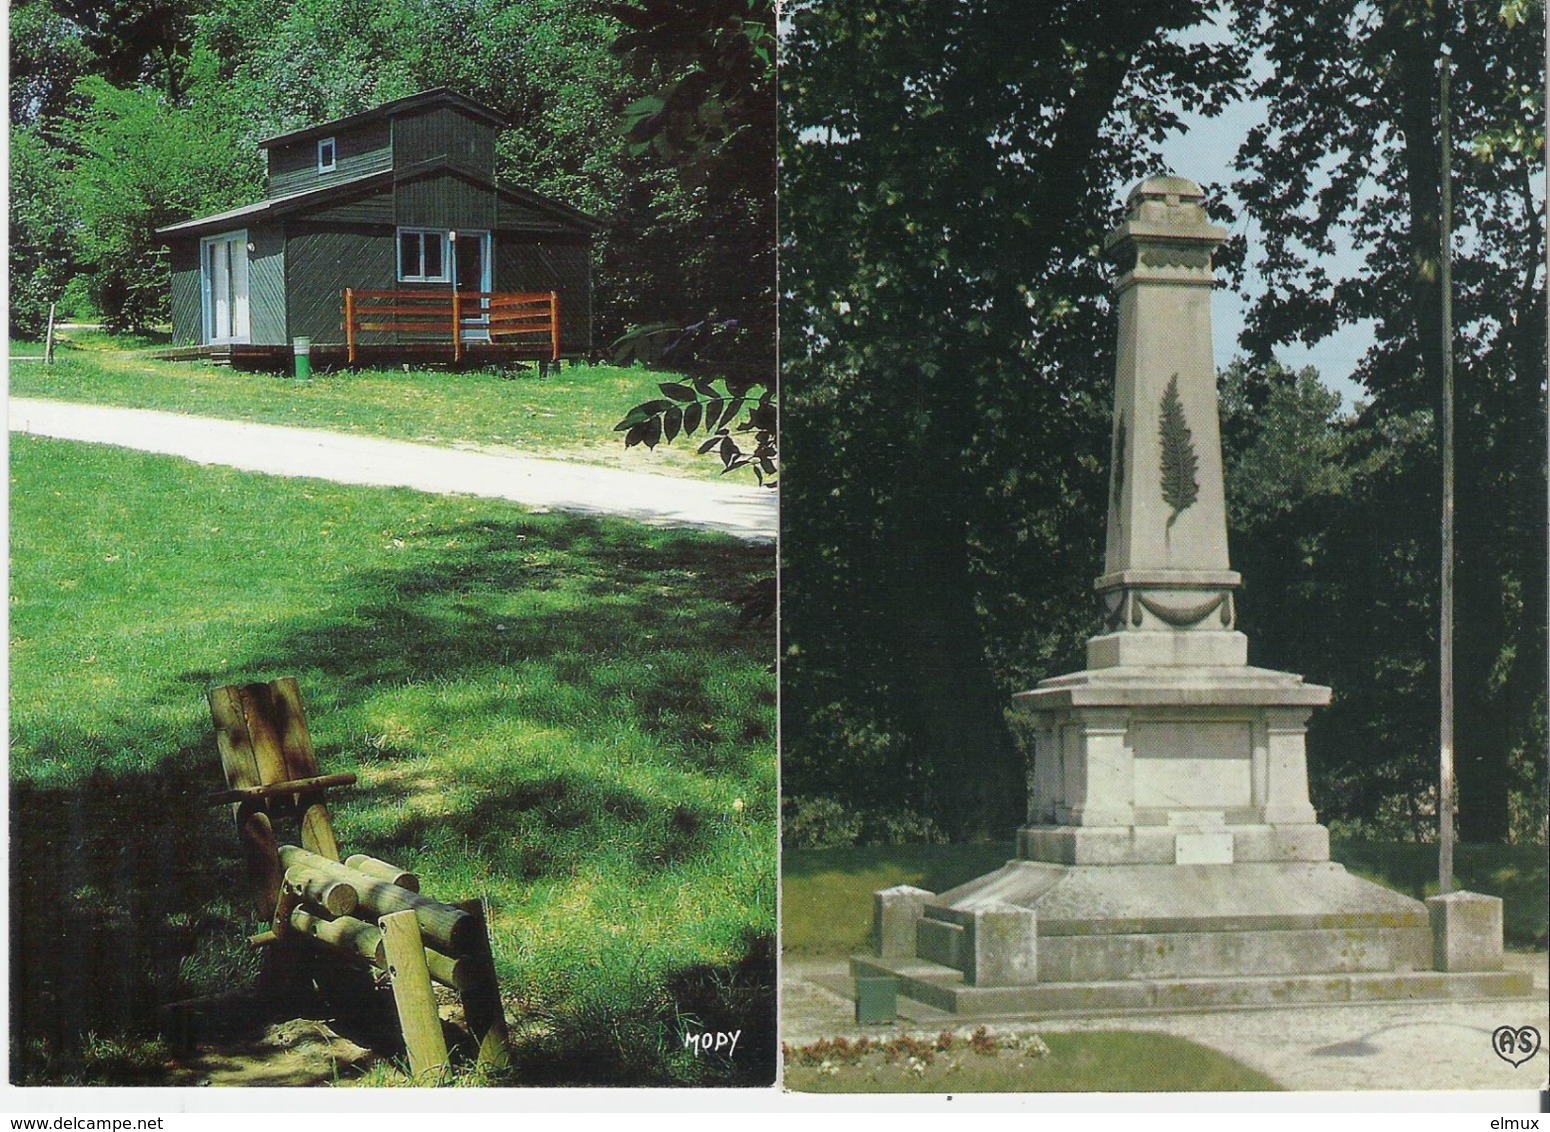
634	604
609	1047
560	817
128	893
113	884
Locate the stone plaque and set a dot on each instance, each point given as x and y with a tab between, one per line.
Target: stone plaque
1202	849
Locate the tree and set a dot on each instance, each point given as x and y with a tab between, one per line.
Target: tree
1353	94
1319	505
142	164
48	55
544	65
708	121
54	43
950	170
40	232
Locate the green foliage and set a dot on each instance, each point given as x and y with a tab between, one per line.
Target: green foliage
949	172
141	164
817	823
676	248
1176	448
718	60
307	61
701	407
1330	518
130	42
1285	442
823	823
1320	509
710	122
47	57
1355	93
40	232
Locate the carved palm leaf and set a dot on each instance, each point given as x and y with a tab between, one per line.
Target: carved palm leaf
1179	463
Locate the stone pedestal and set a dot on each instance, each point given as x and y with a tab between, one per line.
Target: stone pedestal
1172	857
1171	765
895	913
1466	932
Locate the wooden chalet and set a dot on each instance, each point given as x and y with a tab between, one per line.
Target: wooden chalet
385	237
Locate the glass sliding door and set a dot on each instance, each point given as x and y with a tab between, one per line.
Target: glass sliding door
224	270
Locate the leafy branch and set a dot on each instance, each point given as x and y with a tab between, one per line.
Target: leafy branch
739	422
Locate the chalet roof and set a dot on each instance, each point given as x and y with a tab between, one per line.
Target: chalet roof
439	96
564	215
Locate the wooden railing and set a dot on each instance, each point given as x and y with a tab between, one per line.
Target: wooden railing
531	318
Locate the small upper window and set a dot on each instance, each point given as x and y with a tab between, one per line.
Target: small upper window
326	155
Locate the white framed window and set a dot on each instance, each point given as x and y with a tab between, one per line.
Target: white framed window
326	151
422	256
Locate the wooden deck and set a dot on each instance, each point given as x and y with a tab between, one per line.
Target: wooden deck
333	356
506	327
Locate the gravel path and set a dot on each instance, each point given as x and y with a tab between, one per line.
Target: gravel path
735	508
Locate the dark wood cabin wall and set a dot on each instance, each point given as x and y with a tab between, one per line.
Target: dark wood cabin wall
367	148
510	214
444	201
187	300
321	261
443	132
551	264
266	285
374	209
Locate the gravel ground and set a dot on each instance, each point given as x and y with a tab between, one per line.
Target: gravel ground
1338	1048
744	511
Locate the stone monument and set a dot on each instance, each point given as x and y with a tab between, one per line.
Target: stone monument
1172	858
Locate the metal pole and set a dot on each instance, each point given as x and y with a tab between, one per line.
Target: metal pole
1446	786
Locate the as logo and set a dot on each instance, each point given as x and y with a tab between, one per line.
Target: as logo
1515	1046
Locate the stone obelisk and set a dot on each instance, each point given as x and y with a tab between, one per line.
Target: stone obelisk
1171	856
1169	748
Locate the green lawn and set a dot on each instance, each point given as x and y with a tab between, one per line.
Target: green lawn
552	712
827	893
568	415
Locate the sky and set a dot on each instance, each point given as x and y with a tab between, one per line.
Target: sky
1202	151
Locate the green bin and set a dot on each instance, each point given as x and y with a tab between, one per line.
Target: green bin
877	999
303	348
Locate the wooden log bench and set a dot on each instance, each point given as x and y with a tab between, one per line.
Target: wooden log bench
363	909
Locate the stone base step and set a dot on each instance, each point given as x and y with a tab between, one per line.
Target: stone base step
1182	948
943	988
